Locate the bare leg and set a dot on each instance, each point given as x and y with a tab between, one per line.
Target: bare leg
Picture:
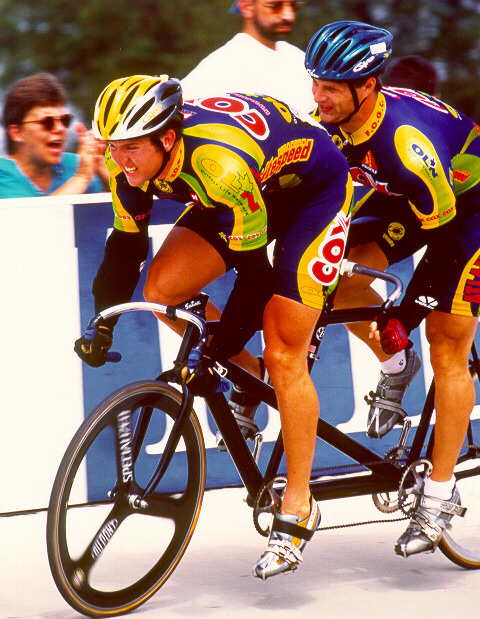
450	339
356	291
288	327
182	267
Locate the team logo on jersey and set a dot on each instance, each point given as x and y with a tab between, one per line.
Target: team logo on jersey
396	231
324	268
426	301
471	291
364	177
461	176
291	152
186	115
337	140
163	186
369	162
429	161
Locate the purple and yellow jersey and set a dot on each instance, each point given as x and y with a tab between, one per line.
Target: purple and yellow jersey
236	152
417	147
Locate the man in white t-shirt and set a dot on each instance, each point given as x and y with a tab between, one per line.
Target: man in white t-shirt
258	59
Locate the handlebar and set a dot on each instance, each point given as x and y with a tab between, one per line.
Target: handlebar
171	312
184	311
147	306
351	268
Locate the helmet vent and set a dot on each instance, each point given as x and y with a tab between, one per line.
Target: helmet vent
141	112
158	120
114	128
336	60
171	90
108	107
127	100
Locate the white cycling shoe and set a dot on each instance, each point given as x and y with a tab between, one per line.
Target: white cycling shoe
288	538
430	518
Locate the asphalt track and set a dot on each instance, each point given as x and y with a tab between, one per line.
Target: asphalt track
348	572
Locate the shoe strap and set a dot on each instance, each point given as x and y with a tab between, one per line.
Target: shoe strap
378	402
243	398
428	526
447	507
285	550
246	422
288	528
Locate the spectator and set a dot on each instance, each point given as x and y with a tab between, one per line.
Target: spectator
416	73
36	123
257	59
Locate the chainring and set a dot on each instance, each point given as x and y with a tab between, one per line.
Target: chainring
267	502
388	502
411	484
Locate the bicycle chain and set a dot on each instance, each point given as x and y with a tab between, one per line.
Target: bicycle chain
405	451
359	524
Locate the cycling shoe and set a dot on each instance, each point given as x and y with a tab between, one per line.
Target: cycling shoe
288	538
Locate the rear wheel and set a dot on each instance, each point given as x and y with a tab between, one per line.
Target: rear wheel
461	543
110	549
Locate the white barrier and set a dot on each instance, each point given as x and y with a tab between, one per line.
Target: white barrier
41	393
43	390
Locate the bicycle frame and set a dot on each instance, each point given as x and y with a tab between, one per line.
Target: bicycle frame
163	491
374	474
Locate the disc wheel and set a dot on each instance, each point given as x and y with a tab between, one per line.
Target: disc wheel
110	548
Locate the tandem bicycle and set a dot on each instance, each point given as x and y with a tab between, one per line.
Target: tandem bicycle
158	496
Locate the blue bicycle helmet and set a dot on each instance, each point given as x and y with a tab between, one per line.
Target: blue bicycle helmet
348	50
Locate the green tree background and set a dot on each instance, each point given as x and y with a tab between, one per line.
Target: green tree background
89	43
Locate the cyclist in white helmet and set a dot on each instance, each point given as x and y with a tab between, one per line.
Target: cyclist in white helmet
249	170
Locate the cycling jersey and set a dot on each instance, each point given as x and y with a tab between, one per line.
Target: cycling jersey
244	162
422	158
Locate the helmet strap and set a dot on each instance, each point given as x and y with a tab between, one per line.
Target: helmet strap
356	105
166	159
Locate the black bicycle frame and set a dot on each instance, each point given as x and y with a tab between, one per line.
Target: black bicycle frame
374	473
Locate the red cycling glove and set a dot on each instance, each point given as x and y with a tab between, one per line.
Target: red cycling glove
393	337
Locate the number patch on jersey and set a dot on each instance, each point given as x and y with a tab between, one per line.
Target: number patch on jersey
249	119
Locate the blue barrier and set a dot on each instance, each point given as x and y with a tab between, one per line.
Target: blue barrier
50	257
340	385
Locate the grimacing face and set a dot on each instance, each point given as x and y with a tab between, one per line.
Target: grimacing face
138	158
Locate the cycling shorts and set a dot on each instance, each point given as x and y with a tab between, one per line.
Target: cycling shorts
310	240
390	222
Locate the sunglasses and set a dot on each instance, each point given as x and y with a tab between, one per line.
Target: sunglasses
276	7
48	123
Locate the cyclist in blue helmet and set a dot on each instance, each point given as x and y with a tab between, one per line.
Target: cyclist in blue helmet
350	52
420	159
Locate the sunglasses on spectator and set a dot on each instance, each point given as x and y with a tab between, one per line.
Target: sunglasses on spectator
276	7
48	123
